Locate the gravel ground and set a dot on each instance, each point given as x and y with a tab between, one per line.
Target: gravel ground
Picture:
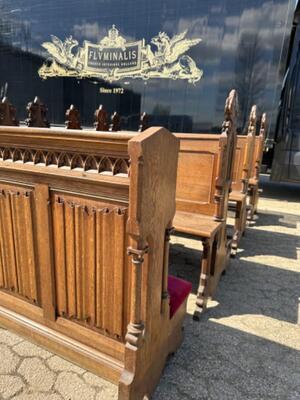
245	347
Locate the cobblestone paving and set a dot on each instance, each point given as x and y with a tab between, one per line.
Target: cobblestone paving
247	345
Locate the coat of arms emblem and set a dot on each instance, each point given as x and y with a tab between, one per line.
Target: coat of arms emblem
113	58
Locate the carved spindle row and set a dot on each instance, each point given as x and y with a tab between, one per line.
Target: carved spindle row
37	117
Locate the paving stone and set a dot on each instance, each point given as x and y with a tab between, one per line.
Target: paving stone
10	385
38	396
59	364
72	387
246	346
9	338
95	380
8	360
38	376
28	349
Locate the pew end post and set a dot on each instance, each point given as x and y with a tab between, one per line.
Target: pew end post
151	210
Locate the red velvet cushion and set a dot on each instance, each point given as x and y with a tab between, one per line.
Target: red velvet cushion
179	290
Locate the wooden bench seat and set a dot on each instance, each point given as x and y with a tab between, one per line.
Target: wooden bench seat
204	176
237	196
84	248
244	155
196	224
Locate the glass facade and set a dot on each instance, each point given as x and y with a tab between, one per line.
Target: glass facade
146	55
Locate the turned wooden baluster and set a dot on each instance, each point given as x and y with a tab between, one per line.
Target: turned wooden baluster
7	113
101	118
136	326
72	118
144	122
115	122
37	114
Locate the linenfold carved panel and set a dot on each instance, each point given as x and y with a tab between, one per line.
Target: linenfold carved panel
17	252
90	253
68	161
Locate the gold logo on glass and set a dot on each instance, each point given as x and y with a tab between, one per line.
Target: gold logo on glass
113	58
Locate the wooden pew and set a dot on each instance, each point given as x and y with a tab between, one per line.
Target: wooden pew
84	248
203	182
243	160
253	190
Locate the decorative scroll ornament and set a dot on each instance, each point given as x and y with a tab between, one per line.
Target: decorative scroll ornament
113	58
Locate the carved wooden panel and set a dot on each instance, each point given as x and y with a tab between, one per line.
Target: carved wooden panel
69	161
90	253
18	272
237	164
195	177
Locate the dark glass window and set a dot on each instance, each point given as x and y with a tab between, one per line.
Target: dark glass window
243	45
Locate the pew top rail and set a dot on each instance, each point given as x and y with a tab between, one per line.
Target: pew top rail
244	156
258	152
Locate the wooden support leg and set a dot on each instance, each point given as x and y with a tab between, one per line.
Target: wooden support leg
202	293
253	201
239	225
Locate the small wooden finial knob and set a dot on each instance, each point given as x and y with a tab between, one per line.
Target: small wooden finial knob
37	114
7	113
101	117
115	122
72	118
144	121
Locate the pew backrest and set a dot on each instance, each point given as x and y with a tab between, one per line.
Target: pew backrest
205	167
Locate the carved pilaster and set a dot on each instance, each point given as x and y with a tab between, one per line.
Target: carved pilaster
135	327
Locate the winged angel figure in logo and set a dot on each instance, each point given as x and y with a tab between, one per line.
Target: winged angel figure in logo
169	60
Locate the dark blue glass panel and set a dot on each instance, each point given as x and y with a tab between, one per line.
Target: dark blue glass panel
243	46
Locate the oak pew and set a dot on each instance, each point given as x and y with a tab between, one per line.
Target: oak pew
253	190
243	160
203	182
84	229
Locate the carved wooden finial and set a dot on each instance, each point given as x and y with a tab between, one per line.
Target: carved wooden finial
72	118
231	105
37	114
7	113
101	117
252	120
115	122
263	125
144	121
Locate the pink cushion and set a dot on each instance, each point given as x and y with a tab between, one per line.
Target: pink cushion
179	290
